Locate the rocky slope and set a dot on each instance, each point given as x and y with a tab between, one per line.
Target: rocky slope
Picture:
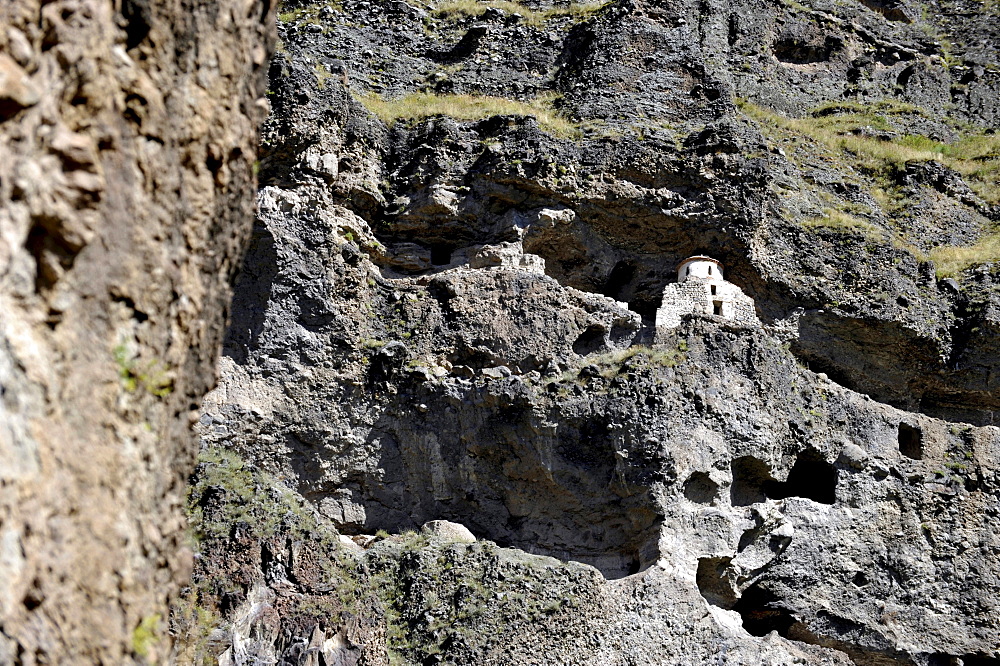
466	223
128	132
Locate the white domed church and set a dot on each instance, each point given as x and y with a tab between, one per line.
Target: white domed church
701	289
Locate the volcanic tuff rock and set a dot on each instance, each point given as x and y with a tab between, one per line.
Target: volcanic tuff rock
128	134
451	318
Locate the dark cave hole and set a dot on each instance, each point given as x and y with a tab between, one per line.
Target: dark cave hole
810	477
904	76
797	52
213	164
979	660
621	335
645	307
230	601
750	475
700	488
941	659
137	17
911	441
32	599
761	613
590	340
52	254
440	254
574	517
618	279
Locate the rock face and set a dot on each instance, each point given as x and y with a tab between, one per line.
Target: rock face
128	135
453	320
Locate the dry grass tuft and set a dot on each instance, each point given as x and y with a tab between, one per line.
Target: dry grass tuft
832	127
976	157
951	260
465	8
842	221
416	106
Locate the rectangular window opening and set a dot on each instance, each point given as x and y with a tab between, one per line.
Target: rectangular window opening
718	307
440	255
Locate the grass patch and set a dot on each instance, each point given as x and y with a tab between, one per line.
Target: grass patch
612	363
951	260
322	74
831	218
454	9
309	13
830	128
420	105
152	376
656	356
192	625
975	156
882	107
437	596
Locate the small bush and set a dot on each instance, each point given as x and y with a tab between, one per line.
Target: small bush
885	106
250	496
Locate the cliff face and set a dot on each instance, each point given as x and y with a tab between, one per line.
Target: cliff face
128	134
468	215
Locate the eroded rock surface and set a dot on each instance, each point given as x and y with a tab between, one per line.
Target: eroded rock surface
454	320
128	133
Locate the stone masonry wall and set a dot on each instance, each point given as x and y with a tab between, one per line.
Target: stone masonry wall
693	297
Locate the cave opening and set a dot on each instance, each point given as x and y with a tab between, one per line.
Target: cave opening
590	341
138	18
546	496
911	441
750	475
700	488
811	477
619	278
761	613
979	660
798	52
